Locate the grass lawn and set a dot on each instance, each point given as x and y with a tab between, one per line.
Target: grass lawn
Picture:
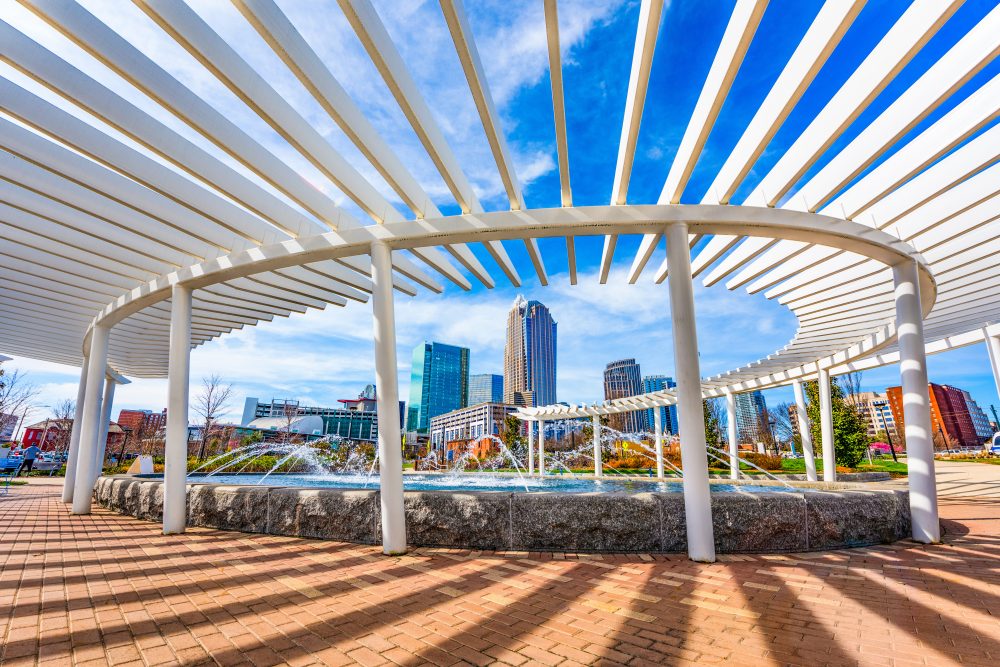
788	466
798	466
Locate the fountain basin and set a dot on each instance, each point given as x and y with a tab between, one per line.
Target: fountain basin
644	522
462	482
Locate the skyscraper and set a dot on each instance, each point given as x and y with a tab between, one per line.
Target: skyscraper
529	358
485	388
623	378
668	413
750	406
439	383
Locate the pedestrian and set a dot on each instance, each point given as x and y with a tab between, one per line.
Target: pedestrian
29	460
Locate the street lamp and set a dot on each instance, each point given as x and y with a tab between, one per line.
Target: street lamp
888	436
774	438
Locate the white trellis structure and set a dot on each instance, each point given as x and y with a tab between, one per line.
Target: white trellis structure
125	243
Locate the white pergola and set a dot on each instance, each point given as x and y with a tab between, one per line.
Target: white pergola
125	243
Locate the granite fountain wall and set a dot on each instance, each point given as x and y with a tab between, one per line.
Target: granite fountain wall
596	522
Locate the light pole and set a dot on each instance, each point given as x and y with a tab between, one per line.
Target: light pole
774	437
888	436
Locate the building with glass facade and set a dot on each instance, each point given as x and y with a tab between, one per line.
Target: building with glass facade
356	418
485	388
623	378
750	407
980	422
529	357
439	383
668	413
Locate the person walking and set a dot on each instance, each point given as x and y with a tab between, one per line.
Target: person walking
29	460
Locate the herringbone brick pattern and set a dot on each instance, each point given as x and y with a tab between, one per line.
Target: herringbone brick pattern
107	589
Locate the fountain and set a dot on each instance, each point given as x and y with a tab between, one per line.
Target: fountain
485	497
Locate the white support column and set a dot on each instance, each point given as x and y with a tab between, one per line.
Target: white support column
102	437
541	448
697	498
598	450
916	405
390	455
73	455
734	435
658	440
531	447
993	350
802	417
826	426
97	360
176	448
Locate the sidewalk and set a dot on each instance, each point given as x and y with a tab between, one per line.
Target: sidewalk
107	589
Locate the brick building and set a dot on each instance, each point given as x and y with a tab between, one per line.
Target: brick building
142	421
52	435
951	421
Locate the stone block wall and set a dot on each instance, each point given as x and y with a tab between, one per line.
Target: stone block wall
596	522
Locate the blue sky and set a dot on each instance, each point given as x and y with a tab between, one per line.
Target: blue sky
323	356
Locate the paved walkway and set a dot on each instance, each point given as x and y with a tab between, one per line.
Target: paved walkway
110	589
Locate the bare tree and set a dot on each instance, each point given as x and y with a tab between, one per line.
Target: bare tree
63	413
17	397
781	418
209	404
850	383
289	411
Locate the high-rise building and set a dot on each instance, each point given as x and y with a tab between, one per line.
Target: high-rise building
623	378
874	407
951	421
485	388
439	383
980	421
668	413
750	407
529	357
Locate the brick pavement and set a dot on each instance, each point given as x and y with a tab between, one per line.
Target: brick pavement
107	589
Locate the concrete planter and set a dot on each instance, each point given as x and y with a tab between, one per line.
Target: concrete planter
499	521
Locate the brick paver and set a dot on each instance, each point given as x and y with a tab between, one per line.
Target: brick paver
107	589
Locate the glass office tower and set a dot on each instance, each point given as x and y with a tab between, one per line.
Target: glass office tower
439	383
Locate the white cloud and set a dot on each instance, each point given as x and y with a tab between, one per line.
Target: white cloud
325	355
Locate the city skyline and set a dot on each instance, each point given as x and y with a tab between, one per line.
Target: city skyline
966	367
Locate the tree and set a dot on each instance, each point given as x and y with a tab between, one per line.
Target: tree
850	432
289	411
208	404
713	422
17	397
764	431
781	418
510	433
63	413
850	384
251	438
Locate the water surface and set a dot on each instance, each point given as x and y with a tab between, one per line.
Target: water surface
482	482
